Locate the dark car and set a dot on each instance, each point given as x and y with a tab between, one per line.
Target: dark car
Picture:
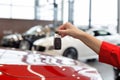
12	40
116	73
27	38
28	65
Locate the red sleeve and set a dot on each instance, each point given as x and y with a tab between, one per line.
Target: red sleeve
110	54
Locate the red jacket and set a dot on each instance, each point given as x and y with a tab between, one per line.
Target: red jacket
110	54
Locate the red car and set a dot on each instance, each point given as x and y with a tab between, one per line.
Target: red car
30	65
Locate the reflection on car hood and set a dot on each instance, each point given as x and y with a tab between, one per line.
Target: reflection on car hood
20	65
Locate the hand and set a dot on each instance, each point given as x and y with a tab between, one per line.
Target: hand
69	29
90	41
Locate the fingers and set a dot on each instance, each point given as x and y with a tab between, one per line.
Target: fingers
64	29
65	26
61	32
57	32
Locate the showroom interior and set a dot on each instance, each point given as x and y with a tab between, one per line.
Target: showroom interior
28	27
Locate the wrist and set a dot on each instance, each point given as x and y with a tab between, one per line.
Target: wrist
81	35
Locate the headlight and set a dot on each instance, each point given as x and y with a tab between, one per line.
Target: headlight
40	48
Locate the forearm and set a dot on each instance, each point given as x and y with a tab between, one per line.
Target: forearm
91	41
71	30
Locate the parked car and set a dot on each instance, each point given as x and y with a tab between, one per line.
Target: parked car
116	73
74	48
27	38
28	65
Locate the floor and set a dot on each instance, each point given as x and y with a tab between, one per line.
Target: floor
105	70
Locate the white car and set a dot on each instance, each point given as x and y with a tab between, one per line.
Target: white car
74	48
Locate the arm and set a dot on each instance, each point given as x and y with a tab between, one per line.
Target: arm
90	41
108	53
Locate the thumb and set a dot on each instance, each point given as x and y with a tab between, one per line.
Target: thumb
62	31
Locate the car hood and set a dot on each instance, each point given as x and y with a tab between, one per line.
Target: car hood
44	41
12	36
21	65
48	41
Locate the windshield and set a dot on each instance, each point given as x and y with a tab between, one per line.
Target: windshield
34	30
101	33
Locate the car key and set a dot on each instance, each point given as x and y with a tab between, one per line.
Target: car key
57	41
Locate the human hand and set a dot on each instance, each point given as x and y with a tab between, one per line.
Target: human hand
69	29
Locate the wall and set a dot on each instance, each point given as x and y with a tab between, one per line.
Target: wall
19	26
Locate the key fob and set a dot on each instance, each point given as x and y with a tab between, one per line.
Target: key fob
57	41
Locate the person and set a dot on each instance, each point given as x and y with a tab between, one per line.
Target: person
108	53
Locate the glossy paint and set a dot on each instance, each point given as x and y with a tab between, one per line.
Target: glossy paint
27	65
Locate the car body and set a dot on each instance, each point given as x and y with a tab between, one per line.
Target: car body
16	40
12	40
116	73
31	65
75	48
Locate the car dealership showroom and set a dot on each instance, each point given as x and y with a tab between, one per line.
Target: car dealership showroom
59	39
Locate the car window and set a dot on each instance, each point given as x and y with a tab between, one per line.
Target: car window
34	30
101	33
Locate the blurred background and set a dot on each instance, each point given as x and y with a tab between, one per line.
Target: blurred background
19	16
